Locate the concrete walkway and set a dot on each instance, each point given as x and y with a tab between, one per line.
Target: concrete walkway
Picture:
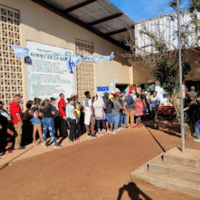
32	150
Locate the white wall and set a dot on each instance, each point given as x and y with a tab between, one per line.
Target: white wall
165	28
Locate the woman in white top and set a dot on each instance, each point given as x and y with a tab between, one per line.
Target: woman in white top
89	116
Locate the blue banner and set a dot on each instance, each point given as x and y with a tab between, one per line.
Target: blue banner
72	60
20	52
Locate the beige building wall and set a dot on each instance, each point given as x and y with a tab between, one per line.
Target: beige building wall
142	74
195	72
41	25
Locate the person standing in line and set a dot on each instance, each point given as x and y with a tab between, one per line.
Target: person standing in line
134	94
53	103
36	122
194	115
116	112
89	120
71	117
4	117
129	105
27	129
154	103
16	113
100	115
37	126
198	98
145	102
123	112
192	94
108	112
121	102
48	111
139	109
62	115
78	107
56	117
37	102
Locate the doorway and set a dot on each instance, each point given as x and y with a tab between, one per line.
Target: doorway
196	84
122	87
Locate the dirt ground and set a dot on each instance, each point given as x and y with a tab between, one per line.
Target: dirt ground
98	169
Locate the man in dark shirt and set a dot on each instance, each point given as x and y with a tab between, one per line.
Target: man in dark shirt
194	116
108	111
117	106
3	127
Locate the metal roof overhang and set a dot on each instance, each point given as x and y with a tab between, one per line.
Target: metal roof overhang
98	16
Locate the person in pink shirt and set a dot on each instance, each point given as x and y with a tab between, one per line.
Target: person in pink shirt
139	109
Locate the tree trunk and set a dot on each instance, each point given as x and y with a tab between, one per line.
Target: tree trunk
175	101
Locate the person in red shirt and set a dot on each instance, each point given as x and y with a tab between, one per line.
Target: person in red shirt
16	114
62	114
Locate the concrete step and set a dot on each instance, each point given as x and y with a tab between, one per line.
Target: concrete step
158	166
165	181
189	158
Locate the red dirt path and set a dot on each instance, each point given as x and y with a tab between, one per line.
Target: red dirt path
92	170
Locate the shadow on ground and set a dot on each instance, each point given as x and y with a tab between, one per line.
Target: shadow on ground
167	127
133	191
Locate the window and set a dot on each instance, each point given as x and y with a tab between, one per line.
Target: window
10	65
85	70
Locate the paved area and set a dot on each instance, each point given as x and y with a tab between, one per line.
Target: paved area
93	169
32	150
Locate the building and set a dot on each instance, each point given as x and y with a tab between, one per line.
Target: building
165	28
87	27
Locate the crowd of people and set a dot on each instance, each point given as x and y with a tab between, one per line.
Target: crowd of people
192	112
103	114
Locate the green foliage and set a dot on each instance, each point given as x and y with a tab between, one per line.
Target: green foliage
166	74
194	6
149	88
186	67
173	4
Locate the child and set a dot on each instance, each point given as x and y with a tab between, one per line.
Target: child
139	109
36	125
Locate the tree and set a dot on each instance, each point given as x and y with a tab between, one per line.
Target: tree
154	51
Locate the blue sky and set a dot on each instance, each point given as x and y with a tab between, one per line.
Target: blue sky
144	9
